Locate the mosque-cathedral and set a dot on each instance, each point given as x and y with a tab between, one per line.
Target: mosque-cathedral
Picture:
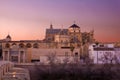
56	41
71	35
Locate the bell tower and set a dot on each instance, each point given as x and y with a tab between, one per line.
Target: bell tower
75	34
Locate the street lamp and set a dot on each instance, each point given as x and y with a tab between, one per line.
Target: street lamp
14	74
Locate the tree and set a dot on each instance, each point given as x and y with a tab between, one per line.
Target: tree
108	58
51	58
66	59
84	52
72	49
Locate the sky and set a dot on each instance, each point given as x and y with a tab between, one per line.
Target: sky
28	19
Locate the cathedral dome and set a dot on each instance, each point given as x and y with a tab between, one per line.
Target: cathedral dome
74	26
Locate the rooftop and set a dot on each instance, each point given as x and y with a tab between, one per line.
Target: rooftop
56	31
74	26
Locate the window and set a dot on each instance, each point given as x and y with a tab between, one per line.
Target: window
6	55
7	45
22	52
93	45
6	52
21	45
76	54
14	58
28	45
101	45
21	56
14	44
35	45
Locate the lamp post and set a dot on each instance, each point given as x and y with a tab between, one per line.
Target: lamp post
14	74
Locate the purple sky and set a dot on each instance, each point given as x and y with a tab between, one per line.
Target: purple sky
28	19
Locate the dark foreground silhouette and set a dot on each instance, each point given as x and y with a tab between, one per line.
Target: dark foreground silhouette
74	72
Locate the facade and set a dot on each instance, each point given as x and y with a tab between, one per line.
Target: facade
104	53
57	41
18	51
71	35
30	51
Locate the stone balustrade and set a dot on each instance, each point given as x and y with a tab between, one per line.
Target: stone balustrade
5	66
9	72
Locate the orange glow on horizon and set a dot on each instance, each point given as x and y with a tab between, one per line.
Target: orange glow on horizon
28	19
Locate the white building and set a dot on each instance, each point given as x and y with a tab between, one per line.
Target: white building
104	53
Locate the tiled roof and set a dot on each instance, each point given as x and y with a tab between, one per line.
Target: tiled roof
63	32
74	26
56	31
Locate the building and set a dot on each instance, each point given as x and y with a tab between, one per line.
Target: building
57	41
71	35
104	53
30	51
18	51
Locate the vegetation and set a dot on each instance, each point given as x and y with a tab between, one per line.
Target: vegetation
72	48
74	71
79	72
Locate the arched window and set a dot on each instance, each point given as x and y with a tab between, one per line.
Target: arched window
28	45
7	45
13	43
35	45
21	45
